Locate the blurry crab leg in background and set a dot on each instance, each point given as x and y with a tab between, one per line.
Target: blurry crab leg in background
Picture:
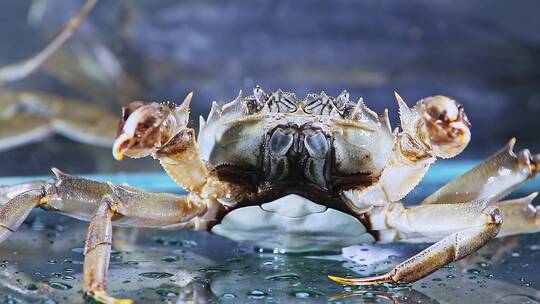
519	215
31	116
435	127
90	66
24	68
495	177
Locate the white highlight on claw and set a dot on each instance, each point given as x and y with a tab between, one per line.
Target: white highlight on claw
130	126
116	151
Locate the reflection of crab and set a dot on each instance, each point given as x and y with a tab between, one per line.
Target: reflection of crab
294	175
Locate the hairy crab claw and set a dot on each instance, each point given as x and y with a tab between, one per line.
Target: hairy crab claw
442	125
446	123
145	127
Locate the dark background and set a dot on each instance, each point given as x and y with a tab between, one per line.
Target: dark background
486	54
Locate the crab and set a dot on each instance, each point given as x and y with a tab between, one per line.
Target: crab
295	175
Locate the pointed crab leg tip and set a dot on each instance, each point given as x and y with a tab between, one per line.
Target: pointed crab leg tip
340	280
103	297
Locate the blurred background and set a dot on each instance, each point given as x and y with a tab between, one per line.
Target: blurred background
486	54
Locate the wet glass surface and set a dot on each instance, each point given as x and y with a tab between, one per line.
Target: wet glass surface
42	262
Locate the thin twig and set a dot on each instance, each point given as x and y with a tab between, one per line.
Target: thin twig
22	69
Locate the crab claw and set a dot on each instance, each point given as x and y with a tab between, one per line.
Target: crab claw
146	127
447	126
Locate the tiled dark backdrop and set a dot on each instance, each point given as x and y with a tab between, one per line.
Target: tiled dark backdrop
484	53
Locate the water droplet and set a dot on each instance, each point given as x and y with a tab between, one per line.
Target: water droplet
483	264
57	274
68	277
59	285
305	293
116	255
473	271
450	276
291	276
32	286
301	294
165	292
131	263
174	241
228	296
169	258
535	247
257	294
156	275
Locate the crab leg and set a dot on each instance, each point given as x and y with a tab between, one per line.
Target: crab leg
8	192
495	177
520	216
27	116
475	223
104	205
22	129
15	211
24	68
97	252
